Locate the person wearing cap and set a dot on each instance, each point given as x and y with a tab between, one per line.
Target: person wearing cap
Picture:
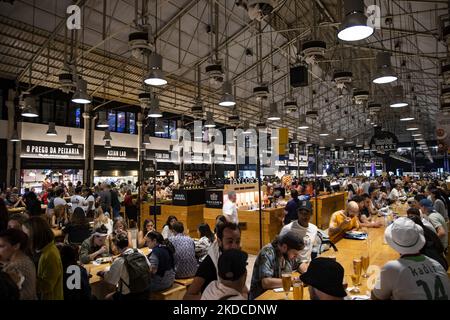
413	276
291	208
95	246
306	231
324	278
272	261
344	220
232	276
229	209
436	219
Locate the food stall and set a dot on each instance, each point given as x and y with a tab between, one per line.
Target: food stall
248	214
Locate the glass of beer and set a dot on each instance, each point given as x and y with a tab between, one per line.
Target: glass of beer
365	261
287	283
298	290
357	267
356	282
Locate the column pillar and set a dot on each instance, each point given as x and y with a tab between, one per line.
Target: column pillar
89	125
13	148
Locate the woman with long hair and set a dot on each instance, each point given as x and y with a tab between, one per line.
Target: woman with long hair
149	226
161	261
77	230
49	265
167	230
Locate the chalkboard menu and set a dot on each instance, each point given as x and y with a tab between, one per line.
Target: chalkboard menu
188	197
214	199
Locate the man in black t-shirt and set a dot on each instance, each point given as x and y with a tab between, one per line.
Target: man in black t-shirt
228	237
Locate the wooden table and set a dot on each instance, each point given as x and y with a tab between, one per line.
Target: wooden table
16	210
379	253
99	287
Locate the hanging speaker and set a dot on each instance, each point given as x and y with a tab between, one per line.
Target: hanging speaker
299	76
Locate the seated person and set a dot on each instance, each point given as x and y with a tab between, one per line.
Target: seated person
404	278
149	226
184	256
16	220
324	279
416	212
206	238
344	220
69	258
306	231
77	230
228	237
95	246
162	267
119	226
272	261
366	212
232	276
131	277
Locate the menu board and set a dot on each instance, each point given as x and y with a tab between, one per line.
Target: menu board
50	150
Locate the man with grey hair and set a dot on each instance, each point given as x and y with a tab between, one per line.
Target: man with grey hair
229	209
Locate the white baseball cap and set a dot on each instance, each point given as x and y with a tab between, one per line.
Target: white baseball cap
405	236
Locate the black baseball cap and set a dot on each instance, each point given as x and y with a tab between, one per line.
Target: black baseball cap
305	205
326	275
232	264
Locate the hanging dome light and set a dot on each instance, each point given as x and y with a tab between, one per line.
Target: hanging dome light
323	132
209	123
333	148
366	145
355	26
227	98
274	115
159	127
303	124
108	145
15	136
155	111
69	140
295	139
29	108
321	145
398	99
339	136
102	123
107	136
412	126
156	75
417	134
308	142
385	73
51	129
358	143
80	96
407	116
246	128
146	139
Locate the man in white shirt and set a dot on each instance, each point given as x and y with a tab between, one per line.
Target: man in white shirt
397	193
59	201
306	231
77	200
229	209
413	276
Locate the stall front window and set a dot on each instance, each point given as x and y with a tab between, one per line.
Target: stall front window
112	120
39	179
121	122
132	122
60	112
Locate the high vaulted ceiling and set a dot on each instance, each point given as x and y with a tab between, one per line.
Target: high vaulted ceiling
32	38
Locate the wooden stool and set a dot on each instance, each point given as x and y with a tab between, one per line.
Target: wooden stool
176	292
185	282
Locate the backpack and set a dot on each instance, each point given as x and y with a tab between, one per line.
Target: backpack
138	272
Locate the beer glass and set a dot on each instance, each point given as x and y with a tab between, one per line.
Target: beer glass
357	266
365	261
355	278
298	290
287	283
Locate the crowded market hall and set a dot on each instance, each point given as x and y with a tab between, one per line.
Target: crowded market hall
224	150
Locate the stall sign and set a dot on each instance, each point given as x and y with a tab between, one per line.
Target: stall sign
54	150
115	153
214	199
384	141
